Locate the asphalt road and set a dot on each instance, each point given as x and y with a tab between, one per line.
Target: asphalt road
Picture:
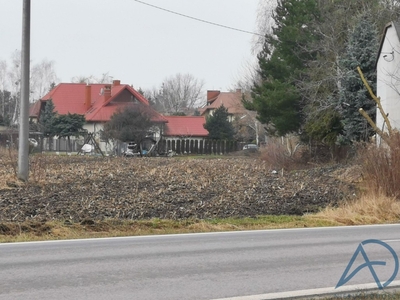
192	266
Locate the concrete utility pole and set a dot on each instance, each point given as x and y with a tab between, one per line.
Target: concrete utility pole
23	144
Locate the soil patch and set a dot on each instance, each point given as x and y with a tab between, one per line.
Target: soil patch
85	189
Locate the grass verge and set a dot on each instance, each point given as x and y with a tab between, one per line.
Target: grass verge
55	230
370	208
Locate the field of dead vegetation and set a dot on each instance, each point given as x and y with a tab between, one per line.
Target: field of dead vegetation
84	189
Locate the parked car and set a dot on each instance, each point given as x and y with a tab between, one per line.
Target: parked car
250	147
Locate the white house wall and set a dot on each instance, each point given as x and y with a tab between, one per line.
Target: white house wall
96	128
388	79
109	148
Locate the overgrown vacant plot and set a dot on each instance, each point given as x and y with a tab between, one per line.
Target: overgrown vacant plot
80	188
87	196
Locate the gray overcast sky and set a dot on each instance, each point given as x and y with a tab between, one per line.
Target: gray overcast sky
135	43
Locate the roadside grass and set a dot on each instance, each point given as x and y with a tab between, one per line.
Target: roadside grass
56	230
372	208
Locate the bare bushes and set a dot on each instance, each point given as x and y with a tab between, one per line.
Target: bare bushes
284	153
9	165
38	165
274	155
381	167
378	201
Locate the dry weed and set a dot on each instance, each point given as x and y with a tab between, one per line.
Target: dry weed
368	209
381	167
8	166
280	154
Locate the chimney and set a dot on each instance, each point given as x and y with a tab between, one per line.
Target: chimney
88	97
212	94
107	92
116	82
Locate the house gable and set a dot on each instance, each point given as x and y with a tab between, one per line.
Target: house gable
388	71
125	96
232	101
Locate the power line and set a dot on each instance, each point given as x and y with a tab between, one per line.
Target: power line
197	19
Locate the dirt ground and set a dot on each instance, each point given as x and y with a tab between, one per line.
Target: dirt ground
87	189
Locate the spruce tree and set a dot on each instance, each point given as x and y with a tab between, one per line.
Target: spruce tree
47	119
69	125
360	51
218	125
276	97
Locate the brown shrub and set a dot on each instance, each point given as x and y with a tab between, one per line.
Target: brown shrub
381	167
283	154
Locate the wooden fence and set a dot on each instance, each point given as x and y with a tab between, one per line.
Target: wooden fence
187	146
179	146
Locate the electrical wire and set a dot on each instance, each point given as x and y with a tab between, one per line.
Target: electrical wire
197	19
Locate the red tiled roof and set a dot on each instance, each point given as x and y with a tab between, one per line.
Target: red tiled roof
190	126
230	100
70	98
34	109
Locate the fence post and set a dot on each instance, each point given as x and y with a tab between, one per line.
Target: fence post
191	146
187	146
178	147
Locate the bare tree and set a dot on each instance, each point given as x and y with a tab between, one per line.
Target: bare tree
103	78
41	78
247	77
154	95
3	86
264	22
14	75
43	75
181	92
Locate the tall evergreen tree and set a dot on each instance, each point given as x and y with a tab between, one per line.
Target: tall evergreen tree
285	53
69	125
47	119
7	106
362	46
218	125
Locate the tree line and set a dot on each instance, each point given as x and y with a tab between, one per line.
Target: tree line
306	80
133	124
42	79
